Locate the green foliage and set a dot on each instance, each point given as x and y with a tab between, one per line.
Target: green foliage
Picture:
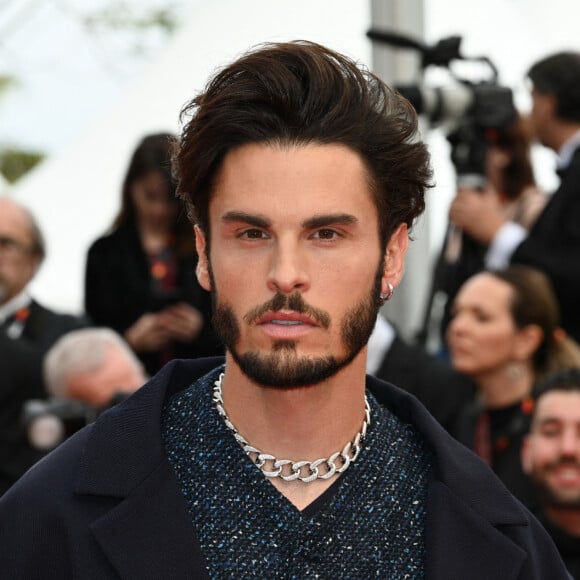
6	82
15	163
119	16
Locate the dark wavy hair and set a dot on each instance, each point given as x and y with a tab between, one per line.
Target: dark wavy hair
559	75
294	94
518	174
154	153
562	380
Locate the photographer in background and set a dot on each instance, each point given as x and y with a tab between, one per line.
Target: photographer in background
508	186
553	243
93	365
86	372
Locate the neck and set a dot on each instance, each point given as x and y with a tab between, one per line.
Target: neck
562	133
153	237
568	519
505	386
301	424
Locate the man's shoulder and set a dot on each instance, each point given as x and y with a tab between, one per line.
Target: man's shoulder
455	468
45	325
113	240
49	481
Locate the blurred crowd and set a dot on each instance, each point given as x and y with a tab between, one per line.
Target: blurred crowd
505	381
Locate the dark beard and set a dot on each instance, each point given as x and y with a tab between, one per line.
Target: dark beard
282	367
548	497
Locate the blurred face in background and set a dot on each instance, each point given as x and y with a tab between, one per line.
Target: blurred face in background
542	116
482	335
551	452
155	206
18	258
117	374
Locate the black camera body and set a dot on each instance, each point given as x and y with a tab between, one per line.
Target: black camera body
473	113
48	423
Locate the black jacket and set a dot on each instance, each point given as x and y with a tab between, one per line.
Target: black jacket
106	503
21	380
441	389
118	291
553	245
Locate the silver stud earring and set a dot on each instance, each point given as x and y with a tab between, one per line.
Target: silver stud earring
384	296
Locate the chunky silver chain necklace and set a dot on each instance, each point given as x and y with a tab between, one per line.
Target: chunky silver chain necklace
287	469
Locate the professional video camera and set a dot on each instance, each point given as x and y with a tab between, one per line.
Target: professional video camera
49	422
472	113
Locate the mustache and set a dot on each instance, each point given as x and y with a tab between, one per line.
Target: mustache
293	302
563	462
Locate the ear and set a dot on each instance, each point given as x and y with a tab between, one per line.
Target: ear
526	454
528	340
394	258
551	104
202	270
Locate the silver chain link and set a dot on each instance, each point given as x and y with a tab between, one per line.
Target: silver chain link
286	469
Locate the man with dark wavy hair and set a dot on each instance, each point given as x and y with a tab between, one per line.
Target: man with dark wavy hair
303	174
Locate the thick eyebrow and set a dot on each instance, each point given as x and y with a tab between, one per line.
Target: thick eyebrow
311	223
329	220
248	218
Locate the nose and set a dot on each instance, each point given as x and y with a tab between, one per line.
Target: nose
570	444
288	266
457	325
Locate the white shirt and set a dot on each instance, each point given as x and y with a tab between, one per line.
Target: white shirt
9	308
511	234
379	343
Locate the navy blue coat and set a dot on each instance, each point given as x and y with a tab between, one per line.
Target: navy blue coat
106	503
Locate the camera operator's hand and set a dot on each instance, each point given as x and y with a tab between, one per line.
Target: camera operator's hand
477	213
148	333
181	321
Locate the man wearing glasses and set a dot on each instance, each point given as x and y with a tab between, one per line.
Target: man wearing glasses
27	331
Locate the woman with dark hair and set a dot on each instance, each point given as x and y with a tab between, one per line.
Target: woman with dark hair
509	183
504	334
140	277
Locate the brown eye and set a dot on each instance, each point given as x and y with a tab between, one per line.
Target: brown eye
253	234
326	234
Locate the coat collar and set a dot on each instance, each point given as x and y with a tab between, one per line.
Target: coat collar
125	458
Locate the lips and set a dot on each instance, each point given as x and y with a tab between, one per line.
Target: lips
286	319
286	325
567	475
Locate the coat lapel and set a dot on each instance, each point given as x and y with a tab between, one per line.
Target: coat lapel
453	553
150	535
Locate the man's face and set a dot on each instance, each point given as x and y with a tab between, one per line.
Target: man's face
18	261
551	453
295	264
542	117
118	374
